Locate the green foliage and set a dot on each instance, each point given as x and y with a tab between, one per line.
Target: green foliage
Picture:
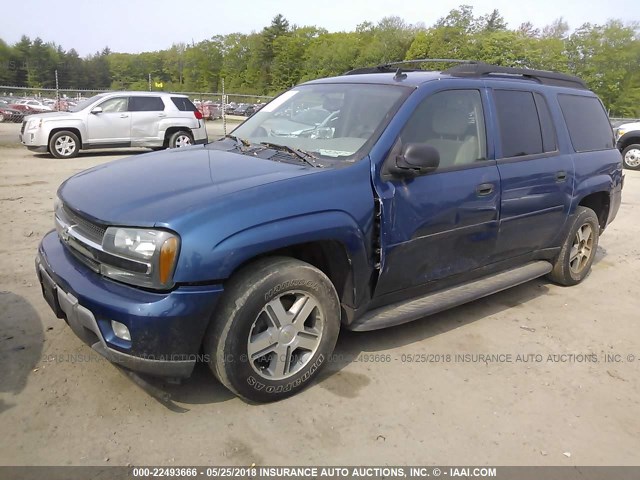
606	56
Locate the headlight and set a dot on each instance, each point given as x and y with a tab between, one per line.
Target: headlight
620	132
140	256
34	124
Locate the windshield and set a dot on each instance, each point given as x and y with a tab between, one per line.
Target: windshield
326	120
85	103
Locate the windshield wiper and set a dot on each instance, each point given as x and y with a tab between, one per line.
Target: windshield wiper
240	142
306	157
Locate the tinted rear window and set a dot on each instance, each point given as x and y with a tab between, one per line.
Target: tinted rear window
183	104
588	125
146	104
519	124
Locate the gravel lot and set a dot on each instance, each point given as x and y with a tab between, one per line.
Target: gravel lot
61	404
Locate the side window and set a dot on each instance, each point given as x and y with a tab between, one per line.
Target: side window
118	104
588	125
452	122
518	121
146	104
549	143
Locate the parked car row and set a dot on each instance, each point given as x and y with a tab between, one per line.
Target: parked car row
8	113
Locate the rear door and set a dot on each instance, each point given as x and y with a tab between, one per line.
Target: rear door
112	125
146	114
537	178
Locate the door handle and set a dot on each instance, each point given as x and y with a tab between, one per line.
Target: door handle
124	115
484	189
561	176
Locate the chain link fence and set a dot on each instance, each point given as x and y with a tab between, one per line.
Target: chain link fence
66	95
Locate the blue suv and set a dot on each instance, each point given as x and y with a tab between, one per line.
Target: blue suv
358	202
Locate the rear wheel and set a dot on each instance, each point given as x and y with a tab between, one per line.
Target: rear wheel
579	249
64	144
275	328
631	157
180	139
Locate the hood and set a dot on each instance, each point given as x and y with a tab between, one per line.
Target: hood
47	115
156	188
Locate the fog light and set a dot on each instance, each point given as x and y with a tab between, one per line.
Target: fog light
120	330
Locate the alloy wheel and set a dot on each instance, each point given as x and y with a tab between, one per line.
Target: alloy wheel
285	335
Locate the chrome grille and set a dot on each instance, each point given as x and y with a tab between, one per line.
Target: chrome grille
90	230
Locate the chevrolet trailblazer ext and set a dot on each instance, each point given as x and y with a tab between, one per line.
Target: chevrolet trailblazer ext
358	202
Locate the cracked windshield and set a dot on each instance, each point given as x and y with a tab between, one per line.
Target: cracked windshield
323	120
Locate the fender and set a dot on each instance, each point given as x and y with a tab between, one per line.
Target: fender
595	184
334	225
64	123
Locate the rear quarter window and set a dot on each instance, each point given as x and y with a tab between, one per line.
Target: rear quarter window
183	104
587	121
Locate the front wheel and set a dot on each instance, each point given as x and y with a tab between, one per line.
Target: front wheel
631	157
275	329
579	249
64	144
180	139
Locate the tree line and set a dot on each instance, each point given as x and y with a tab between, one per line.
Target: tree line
606	56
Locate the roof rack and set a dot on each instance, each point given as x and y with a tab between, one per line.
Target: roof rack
474	68
479	69
389	67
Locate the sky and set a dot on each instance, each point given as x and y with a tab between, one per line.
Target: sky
147	25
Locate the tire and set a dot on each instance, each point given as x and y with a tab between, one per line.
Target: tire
2	119
180	139
249	353
579	249
631	157
64	144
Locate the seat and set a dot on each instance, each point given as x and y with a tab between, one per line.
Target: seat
450	125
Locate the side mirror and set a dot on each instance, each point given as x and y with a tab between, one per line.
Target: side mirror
96	110
416	159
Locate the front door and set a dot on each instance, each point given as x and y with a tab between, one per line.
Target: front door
112	125
446	222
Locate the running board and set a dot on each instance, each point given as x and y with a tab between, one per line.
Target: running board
403	312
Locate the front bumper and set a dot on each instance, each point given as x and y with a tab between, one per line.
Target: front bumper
166	327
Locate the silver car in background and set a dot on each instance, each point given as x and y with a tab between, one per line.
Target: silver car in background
116	120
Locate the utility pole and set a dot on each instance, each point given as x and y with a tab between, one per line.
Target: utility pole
149	82
57	92
223	104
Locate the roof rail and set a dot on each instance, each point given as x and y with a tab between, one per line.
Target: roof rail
388	67
479	69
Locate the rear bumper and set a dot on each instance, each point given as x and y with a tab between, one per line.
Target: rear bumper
166	328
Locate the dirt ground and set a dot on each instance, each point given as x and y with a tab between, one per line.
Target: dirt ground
61	404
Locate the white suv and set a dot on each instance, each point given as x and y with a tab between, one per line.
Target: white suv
116	120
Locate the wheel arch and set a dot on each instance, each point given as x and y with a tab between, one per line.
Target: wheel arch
74	130
600	203
170	131
628	138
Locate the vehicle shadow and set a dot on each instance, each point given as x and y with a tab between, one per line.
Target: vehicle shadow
203	388
21	344
352	345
